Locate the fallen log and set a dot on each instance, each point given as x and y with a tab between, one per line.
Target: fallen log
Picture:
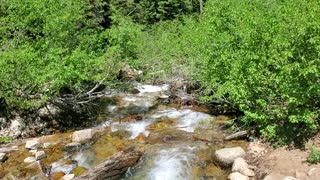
236	135
114	167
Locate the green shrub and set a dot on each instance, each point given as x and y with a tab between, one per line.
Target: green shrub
50	45
314	157
264	58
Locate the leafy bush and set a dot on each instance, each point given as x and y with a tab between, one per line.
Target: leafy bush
50	45
314	157
263	57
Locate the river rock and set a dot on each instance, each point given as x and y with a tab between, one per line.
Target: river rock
83	135
40	155
227	156
33	151
8	149
240	165
71	147
66	169
46	145
17	126
68	177
29	160
3	157
237	176
32	144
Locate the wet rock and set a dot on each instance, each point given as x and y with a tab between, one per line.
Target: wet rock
208	136
3	157
40	155
35	166
121	133
227	156
32	144
8	149
168	135
237	176
71	147
29	160
83	135
46	145
33	151
78	171
276	176
57	176
40	176
240	165
68	177
66	169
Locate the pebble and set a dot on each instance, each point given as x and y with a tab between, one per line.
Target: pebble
68	177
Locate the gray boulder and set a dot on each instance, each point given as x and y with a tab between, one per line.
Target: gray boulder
227	156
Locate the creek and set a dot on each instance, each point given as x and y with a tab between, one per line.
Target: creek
178	141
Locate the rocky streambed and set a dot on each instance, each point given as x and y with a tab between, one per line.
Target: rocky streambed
172	141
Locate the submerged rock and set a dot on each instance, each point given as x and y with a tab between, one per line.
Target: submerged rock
227	156
168	135
71	147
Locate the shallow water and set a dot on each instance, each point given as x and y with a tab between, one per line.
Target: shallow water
166	133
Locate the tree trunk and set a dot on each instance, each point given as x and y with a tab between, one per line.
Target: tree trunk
114	167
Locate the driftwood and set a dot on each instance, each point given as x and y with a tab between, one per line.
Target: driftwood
114	167
236	135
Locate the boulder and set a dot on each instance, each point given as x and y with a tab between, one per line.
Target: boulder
29	160
237	176
40	155
3	157
32	144
227	156
83	135
240	165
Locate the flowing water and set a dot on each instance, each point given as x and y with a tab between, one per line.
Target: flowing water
178	141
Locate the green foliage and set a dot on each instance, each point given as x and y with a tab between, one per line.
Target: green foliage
263	57
50	45
314	157
149	12
5	139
